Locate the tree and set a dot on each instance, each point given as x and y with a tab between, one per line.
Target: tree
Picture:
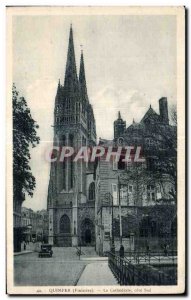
24	136
164	160
173	115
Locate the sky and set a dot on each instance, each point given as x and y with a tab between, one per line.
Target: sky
130	63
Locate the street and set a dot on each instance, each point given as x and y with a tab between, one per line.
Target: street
64	268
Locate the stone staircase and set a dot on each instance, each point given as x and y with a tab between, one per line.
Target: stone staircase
89	252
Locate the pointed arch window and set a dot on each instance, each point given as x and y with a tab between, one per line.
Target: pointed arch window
151	192
121	163
71	143
65	224
92	191
63	143
83	141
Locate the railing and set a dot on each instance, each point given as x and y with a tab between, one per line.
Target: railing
129	273
152	257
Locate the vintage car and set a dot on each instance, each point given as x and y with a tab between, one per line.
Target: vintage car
46	251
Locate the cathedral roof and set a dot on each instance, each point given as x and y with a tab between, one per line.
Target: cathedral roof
134	125
104	142
150	114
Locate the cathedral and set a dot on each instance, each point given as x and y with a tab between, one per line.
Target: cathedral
71	192
81	194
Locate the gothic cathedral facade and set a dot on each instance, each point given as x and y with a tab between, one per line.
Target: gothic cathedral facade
71	191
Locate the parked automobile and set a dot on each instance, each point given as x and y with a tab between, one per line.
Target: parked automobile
46	251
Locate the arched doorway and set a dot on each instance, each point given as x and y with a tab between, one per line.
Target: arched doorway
88	236
87	233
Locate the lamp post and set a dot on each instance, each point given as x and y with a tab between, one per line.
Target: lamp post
120	221
29	226
112	245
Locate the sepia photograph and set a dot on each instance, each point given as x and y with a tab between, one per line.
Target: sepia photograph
95	150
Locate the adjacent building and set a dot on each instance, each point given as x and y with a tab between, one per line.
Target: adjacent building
34	225
142	193
17	228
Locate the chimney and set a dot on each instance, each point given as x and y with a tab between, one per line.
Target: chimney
163	108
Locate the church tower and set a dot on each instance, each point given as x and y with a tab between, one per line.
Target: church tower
74	126
119	126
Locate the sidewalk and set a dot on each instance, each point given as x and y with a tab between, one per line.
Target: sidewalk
97	273
30	248
97	258
23	252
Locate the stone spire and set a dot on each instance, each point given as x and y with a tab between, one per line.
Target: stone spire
58	101
119	115
58	94
82	77
71	83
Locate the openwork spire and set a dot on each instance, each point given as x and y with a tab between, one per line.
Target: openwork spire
71	83
82	76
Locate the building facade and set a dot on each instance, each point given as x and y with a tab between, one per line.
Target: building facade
90	203
71	193
18	199
34	225
143	194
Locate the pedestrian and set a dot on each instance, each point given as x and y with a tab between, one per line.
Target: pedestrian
147	249
165	249
24	246
121	251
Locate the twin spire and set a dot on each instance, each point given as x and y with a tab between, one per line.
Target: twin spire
82	76
71	82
